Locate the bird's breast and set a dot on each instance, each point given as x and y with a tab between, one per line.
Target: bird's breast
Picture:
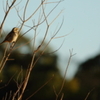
15	36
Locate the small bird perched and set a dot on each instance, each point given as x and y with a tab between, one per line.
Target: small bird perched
12	36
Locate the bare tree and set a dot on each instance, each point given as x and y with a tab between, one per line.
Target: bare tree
41	18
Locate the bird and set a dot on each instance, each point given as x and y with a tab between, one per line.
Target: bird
12	36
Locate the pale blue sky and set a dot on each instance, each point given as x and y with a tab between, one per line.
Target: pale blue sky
81	16
84	17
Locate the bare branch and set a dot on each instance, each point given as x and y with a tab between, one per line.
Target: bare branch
8	82
2	61
40	87
6	14
6	56
62	96
88	94
42	19
63	35
63	82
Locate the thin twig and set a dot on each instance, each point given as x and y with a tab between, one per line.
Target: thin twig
89	93
6	14
8	82
62	96
63	82
6	56
40	87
